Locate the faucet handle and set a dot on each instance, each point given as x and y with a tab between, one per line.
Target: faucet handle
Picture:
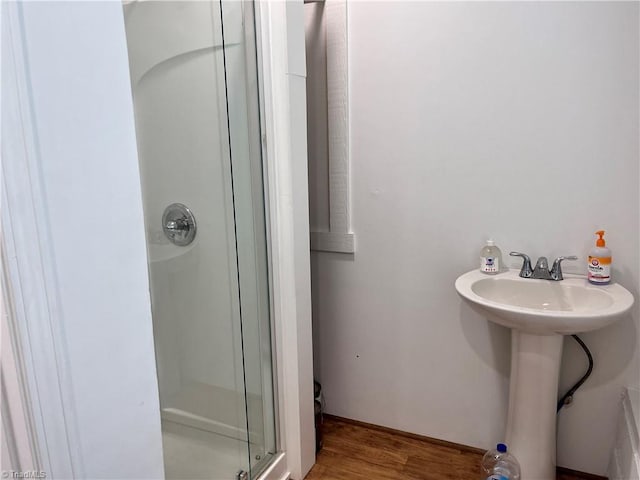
556	269
526	271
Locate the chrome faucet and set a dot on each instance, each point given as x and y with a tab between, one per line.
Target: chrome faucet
541	270
526	271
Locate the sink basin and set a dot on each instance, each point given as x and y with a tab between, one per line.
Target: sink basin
544	307
539	313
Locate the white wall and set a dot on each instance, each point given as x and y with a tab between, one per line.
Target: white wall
81	101
513	120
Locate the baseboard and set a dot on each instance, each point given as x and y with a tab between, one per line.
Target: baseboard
414	436
579	474
445	443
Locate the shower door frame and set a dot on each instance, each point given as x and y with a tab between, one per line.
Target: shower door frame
279	34
279	37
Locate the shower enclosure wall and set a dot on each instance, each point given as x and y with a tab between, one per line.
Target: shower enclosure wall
195	89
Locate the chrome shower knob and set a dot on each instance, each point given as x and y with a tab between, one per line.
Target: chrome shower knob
179	224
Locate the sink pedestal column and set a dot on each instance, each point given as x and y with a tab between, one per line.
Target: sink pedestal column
533	397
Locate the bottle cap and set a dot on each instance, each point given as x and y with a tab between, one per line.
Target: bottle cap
600	241
490	243
501	447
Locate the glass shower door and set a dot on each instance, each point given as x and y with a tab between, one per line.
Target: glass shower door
194	84
238	19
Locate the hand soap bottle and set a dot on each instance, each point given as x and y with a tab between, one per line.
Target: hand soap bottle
490	258
599	264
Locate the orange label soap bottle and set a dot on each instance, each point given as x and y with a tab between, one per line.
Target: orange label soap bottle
599	265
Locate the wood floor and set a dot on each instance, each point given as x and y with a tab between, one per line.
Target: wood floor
356	451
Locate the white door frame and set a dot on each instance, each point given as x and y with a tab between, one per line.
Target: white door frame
40	342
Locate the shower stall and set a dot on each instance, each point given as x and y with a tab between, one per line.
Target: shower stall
194	80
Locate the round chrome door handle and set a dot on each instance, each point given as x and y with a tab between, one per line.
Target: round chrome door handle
179	224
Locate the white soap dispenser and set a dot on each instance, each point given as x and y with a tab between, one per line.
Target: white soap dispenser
490	258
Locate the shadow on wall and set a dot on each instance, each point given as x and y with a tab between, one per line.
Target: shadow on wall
490	341
492	344
612	348
317	262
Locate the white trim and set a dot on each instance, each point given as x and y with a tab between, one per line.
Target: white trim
17	419
272	38
333	242
339	238
271	23
277	469
338	115
31	273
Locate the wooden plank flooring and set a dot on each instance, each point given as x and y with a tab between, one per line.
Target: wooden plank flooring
356	451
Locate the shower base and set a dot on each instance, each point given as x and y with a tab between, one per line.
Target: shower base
213	409
198	454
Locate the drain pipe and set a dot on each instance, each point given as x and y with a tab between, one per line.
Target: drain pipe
567	398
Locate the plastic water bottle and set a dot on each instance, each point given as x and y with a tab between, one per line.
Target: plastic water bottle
499	464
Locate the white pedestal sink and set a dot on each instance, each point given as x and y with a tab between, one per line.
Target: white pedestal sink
539	312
